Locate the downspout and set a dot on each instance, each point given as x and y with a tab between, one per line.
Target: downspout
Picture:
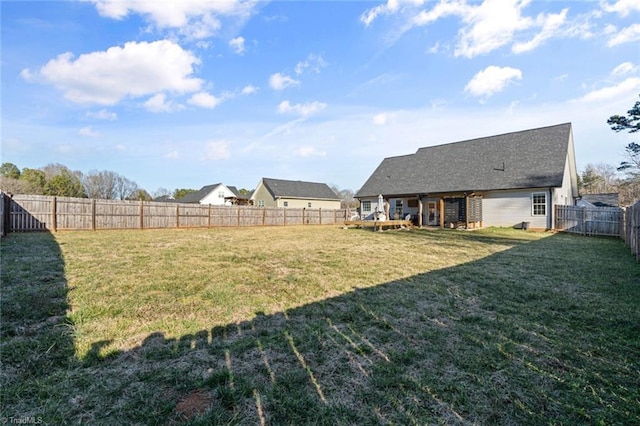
551	209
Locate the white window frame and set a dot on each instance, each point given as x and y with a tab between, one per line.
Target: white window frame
285	203
260	203
537	204
220	194
365	206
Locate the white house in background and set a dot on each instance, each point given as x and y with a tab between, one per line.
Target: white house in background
211	194
505	180
294	194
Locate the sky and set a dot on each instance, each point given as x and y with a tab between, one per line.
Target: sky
183	94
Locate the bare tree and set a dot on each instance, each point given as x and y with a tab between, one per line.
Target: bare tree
125	188
100	184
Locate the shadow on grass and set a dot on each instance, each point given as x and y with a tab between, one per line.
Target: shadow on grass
36	336
545	332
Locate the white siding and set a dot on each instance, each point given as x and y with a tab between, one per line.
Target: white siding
374	208
214	196
509	208
299	203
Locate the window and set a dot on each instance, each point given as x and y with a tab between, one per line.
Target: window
539	203
398	208
309	205
365	206
286	203
260	203
220	194
413	203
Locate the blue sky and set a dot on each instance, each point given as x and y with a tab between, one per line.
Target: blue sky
188	93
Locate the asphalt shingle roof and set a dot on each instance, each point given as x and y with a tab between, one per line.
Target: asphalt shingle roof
195	197
602	200
526	159
297	189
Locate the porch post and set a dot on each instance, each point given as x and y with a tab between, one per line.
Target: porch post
420	211
441	208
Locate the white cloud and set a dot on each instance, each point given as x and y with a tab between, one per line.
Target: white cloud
487	25
89	132
492	80
205	100
625	68
134	70
309	151
313	63
391	7
217	150
550	25
626	35
621	7
279	81
383	118
159	103
623	89
196	19
237	45
103	114
303	110
172	155
249	90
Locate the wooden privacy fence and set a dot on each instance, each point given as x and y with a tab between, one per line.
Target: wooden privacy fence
605	221
23	213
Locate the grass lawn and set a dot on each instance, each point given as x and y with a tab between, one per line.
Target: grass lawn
318	324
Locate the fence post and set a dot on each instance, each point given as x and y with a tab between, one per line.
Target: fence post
209	217
584	221
264	216
141	214
93	214
177	215
54	214
320	215
304	209
3	209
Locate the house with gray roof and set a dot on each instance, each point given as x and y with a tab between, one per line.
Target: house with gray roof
504	180
217	194
294	193
599	200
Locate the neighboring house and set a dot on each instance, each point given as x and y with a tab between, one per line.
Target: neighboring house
295	194
505	180
238	199
215	194
599	200
165	199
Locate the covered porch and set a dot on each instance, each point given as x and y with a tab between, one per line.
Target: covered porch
445	210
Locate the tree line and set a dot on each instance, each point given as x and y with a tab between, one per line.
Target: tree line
57	179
